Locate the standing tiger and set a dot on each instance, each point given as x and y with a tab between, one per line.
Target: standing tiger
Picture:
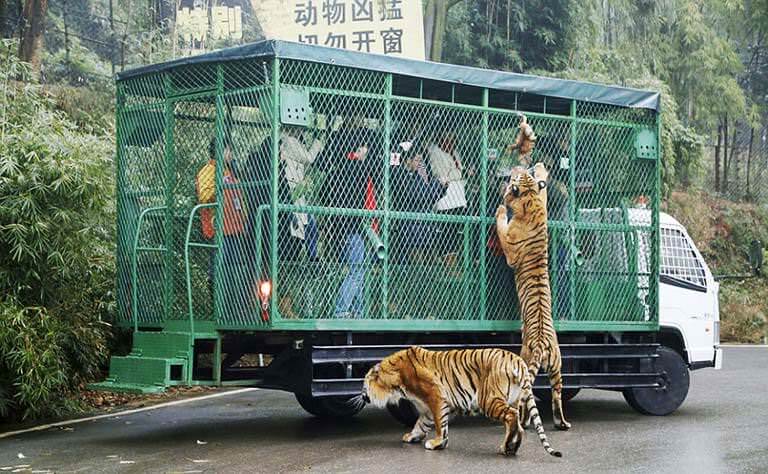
524	242
441	383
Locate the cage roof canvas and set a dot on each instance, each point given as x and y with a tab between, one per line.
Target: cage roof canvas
505	81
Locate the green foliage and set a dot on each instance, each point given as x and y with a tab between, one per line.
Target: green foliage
743	311
723	231
36	362
706	57
516	36
56	246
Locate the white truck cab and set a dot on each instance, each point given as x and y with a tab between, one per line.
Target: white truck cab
688	296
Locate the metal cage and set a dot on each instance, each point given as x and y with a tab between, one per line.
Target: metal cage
357	192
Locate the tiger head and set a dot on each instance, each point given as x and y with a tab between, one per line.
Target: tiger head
526	197
383	383
526	192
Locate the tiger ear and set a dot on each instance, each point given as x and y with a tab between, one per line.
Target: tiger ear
540	172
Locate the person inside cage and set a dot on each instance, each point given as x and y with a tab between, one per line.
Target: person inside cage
233	220
295	156
448	169
420	191
503	275
349	184
415	189
552	148
296	230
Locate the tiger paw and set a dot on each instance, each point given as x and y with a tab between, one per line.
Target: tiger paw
563	426
409	437
436	443
501	211
505	451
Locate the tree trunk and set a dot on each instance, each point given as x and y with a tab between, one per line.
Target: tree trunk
33	26
429	28
717	155
3	16
725	155
435	22
112	35
735	152
509	11
749	157
690	103
66	37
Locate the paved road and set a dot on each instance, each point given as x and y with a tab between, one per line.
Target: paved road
722	427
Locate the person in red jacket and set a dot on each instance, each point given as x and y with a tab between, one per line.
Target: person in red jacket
350	160
233	224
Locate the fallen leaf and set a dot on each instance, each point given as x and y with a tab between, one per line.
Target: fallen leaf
67	428
128	422
201	442
127	462
200	461
20	456
112	456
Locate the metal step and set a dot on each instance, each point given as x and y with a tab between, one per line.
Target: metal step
148	370
161	344
351	387
369	354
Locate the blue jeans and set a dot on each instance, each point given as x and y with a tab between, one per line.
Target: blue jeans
349	303
310	234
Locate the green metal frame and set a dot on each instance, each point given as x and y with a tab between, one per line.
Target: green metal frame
134	264
592	129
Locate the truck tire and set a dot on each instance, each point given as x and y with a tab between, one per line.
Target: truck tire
330	407
662	401
545	395
404	412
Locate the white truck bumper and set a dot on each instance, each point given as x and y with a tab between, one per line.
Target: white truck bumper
718	358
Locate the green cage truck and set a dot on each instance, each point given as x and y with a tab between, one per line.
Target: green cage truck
289	214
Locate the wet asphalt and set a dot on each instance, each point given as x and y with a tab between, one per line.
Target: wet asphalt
722	427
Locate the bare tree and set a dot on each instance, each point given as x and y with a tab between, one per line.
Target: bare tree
3	16
33	18
749	156
724	187
717	155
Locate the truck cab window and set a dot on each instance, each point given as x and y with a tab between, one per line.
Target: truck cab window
678	259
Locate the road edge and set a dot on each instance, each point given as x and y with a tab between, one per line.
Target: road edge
75	421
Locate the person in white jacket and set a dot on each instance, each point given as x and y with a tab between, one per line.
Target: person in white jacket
295	156
449	171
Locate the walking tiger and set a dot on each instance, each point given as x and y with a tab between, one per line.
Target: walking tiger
440	383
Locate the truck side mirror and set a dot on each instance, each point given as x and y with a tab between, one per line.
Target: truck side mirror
756	257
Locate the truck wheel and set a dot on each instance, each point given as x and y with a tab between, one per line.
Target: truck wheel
404	412
330	407
662	401
546	395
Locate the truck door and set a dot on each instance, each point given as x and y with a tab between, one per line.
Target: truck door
686	291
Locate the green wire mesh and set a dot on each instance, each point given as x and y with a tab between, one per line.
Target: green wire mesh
375	207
